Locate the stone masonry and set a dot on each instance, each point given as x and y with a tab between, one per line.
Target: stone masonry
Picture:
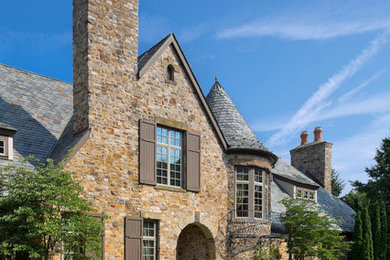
107	163
315	160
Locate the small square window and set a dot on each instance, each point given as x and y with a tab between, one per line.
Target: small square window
299	194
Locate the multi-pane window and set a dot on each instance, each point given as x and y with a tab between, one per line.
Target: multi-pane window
242	192
149	240
2	147
258	192
305	194
169	156
251	192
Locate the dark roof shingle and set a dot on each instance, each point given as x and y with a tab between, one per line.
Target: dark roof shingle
236	130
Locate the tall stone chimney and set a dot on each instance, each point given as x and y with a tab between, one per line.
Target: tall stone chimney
105	50
314	159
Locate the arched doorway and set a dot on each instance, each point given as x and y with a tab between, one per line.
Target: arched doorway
195	243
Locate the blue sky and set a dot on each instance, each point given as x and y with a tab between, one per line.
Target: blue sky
288	65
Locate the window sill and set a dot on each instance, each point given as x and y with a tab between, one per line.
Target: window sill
5	157
171	82
168	188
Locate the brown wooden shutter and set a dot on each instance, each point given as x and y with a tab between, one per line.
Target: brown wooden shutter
147	150
193	162
133	238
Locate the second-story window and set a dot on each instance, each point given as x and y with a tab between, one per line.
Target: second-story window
251	193
169	156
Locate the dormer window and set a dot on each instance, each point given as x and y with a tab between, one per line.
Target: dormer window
6	148
305	194
171	73
6	142
2	147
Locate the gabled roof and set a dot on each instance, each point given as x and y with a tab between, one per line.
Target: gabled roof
285	171
331	205
236	130
147	59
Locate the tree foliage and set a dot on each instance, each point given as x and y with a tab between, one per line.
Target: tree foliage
42	209
383	247
357	237
367	249
311	232
376	229
337	183
378	186
356	200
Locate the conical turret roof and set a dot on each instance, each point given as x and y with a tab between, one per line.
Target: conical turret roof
235	129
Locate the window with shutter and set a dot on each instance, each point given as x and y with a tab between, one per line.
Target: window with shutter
169	156
133	238
193	146
147	161
141	239
165	160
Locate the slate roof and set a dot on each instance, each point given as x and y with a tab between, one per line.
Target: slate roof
284	169
36	106
147	55
236	130
331	205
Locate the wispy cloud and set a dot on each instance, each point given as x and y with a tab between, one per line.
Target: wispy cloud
292	29
356	152
364	84
318	101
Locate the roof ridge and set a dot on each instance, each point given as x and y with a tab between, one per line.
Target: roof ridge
35	73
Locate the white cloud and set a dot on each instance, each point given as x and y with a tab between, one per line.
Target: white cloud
292	29
364	84
375	104
318	101
353	154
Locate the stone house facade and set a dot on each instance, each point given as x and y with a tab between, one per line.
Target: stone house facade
181	175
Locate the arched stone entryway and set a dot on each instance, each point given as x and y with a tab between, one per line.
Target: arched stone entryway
195	243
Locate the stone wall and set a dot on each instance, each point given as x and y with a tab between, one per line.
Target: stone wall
107	164
315	159
105	51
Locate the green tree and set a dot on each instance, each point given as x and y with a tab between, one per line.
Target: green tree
311	232
337	183
367	249
356	200
357	237
43	209
378	186
376	229
383	247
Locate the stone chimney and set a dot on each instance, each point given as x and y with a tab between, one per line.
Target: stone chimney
105	50
314	159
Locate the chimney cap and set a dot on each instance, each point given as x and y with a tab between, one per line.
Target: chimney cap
305	132
318	127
